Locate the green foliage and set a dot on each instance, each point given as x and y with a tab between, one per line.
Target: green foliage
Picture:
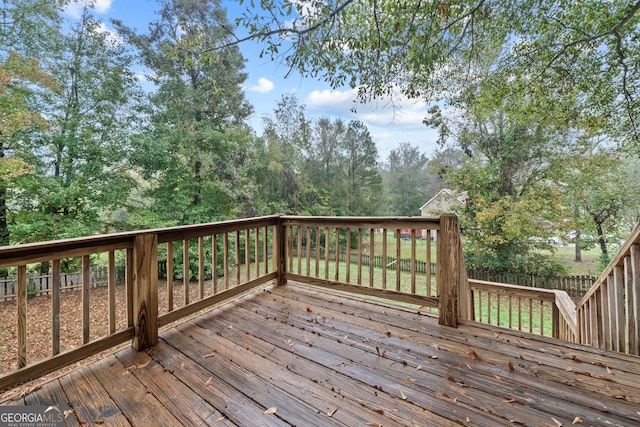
407	180
196	150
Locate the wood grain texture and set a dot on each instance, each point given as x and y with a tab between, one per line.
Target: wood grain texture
319	357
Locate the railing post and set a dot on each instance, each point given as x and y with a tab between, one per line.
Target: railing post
451	272
279	247
145	291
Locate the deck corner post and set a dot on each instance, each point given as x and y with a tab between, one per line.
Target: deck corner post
145	291
450	270
280	245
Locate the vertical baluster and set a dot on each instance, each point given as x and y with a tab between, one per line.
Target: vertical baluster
428	266
186	273
256	250
22	315
318	252
225	250
385	260
413	261
247	254
299	249
308	249
359	256
111	291
200	267
372	253
214	263
398	260
337	254
129	281
237	263
86	283
55	307
619	330
633	300
170	276
348	260
327	245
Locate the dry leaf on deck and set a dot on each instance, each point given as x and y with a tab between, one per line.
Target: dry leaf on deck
100	421
473	354
576	358
271	410
558	423
419	368
144	365
206	356
374	424
309	308
209	381
402	395
577	420
511	368
331	412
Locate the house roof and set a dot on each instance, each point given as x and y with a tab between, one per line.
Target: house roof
460	197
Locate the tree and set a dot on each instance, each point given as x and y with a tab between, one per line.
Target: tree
406	179
432	50
26	30
598	184
197	146
362	175
80	160
509	173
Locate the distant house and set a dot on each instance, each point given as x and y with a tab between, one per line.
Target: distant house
443	202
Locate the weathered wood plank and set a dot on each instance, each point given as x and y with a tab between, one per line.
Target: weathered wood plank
89	400
189	407
207	382
139	406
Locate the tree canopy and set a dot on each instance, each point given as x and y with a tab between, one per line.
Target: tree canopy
584	53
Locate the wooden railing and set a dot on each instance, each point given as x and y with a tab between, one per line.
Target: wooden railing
210	263
539	311
608	315
310	246
218	261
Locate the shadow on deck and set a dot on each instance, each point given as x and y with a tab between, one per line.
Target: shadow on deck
305	356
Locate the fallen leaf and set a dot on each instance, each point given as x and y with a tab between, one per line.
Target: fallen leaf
331	412
271	410
419	368
432	356
182	365
309	308
101	421
473	354
411	380
558	423
619	396
343	339
365	339
209	381
436	346
577	420
380	411
374	424
144	365
468	420
402	395
576	358
222	417
609	371
206	356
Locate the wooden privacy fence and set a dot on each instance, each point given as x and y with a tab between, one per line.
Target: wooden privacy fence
607	316
39	284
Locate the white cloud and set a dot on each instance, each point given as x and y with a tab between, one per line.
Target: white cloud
111	36
74	8
263	86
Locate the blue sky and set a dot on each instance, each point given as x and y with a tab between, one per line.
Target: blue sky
389	126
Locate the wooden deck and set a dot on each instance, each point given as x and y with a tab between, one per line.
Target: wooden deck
304	356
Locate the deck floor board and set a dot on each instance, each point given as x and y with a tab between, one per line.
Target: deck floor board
306	356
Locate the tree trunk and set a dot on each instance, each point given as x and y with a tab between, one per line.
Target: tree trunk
578	249
4	229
